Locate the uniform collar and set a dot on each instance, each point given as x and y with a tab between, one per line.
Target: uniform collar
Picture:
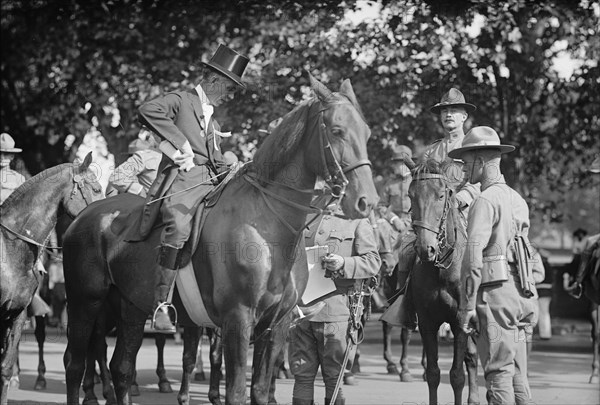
485	185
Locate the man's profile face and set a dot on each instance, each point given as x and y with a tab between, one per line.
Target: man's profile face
453	117
472	167
6	158
220	90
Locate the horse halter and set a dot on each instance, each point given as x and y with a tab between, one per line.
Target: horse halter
335	178
79	186
440	229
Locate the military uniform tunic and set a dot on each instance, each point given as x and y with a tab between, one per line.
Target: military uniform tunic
321	341
137	173
503	311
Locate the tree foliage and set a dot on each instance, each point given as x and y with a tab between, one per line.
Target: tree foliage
65	61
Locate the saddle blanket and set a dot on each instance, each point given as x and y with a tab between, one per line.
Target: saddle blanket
187	286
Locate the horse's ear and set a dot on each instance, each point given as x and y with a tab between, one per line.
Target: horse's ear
86	162
347	90
322	92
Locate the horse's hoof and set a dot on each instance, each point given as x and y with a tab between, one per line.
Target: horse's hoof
594	379
90	401
40	384
405	376
134	391
14	383
200	376
214	399
165	387
392	369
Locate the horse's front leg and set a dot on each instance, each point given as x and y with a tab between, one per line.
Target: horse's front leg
164	385
457	371
199	367
429	335
191	338
405	375
216	363
10	340
266	351
594	378
387	348
236	330
40	336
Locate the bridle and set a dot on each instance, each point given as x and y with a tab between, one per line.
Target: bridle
335	176
78	185
440	228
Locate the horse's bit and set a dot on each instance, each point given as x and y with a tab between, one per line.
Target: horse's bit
440	230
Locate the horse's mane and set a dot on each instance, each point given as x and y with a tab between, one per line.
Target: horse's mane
429	166
33	181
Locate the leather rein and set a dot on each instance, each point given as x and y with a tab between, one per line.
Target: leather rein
440	229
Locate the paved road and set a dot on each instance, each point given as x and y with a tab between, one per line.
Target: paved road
559	372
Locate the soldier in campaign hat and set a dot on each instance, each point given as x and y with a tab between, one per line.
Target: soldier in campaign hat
191	140
494	304
10	179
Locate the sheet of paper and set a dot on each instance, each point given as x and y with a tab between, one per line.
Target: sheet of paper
318	285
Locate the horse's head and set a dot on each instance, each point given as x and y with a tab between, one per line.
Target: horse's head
430	203
85	190
340	152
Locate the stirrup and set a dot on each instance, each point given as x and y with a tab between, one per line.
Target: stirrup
159	307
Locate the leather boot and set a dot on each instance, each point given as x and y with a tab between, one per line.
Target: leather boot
165	277
298	401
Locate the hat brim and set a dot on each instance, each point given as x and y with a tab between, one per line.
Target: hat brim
226	73
11	150
467	106
457	153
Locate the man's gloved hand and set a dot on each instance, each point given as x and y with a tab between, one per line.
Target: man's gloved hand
334	265
184	161
468	321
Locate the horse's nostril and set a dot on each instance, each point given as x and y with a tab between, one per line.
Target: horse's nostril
362	205
431	251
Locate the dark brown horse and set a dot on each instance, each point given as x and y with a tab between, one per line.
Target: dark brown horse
250	243
28	216
434	284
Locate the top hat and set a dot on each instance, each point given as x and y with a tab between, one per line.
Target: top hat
452	98
401	152
229	63
480	138
7	144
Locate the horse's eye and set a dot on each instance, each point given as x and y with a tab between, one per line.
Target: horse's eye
337	132
442	196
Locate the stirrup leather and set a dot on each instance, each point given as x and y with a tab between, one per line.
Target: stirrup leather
160	307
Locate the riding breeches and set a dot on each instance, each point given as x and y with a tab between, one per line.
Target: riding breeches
314	344
179	209
504	313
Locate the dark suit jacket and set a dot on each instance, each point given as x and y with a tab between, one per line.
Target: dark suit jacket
177	117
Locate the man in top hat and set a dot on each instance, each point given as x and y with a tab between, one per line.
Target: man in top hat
139	171
10	180
191	140
493	303
394	203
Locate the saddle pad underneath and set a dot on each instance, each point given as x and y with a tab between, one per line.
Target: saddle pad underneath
187	286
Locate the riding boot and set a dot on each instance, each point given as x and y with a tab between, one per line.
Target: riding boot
298	401
165	278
